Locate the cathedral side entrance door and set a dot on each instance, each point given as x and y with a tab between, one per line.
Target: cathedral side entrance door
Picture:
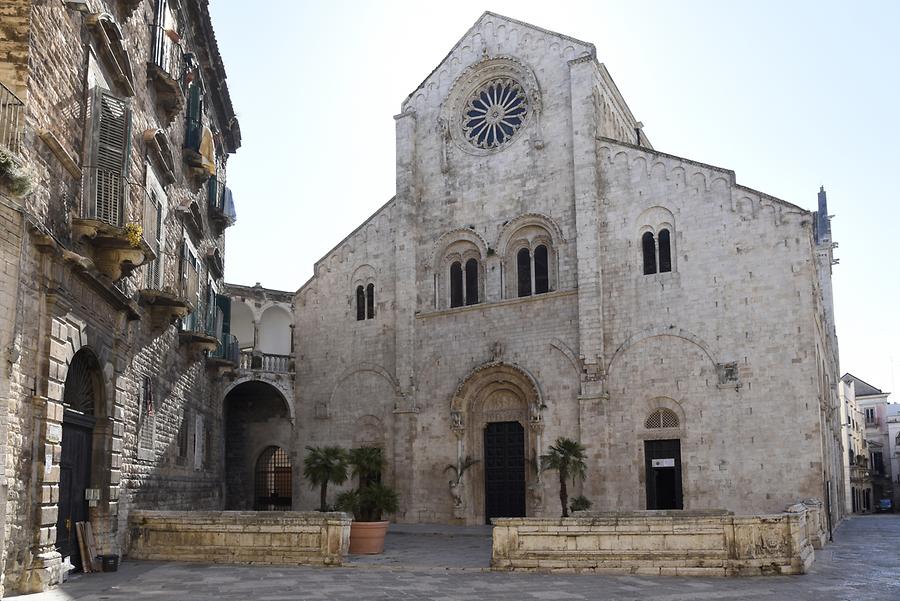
504	470
663	469
74	479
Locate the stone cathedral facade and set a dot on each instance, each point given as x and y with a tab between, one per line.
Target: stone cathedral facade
544	271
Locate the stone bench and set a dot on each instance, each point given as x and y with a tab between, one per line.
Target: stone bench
246	537
699	543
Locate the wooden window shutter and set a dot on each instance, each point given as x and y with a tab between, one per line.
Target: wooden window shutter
224	304
110	151
194	116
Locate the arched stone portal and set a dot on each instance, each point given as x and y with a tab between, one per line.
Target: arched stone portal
84	460
497	415
257	418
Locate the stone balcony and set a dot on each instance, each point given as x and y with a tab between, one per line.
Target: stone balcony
253	360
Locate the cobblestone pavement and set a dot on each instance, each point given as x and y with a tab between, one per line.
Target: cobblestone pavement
443	564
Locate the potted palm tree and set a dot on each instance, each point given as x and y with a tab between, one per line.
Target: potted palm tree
567	457
369	502
323	465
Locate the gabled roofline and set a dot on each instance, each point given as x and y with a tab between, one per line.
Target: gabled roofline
344	239
591	47
856	379
729	172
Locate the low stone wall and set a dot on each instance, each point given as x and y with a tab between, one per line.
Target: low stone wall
677	543
254	537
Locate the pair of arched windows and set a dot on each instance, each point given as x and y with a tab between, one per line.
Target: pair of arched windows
657	252
365	302
464	283
533	271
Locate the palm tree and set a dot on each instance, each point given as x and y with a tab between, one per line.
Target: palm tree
323	465
366	464
567	457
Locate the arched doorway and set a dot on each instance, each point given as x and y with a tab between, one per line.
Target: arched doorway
81	396
257	420
273	480
497	416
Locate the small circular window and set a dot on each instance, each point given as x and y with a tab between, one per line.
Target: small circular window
494	112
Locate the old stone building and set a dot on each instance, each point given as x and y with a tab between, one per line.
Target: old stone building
116	128
878	455
543	271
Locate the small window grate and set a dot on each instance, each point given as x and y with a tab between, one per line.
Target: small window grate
662	418
273	480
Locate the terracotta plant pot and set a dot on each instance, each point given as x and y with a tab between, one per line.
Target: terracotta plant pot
367	538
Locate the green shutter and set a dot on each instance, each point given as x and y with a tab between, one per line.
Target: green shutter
224	303
194	113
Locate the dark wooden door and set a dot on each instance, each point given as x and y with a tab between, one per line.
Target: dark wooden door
74	479
504	470
662	463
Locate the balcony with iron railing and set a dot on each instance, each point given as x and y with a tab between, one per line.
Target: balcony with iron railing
14	178
12	121
116	243
227	354
166	71
165	302
220	209
198	331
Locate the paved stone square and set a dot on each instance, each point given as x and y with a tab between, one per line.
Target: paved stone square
444	564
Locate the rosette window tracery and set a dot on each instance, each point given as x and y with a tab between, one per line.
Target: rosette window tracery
494	113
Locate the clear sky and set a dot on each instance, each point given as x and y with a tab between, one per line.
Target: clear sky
789	95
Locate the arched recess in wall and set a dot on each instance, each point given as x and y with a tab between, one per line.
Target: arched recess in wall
661	331
257	416
500	398
242	324
458	268
275	331
349	387
529	248
86	446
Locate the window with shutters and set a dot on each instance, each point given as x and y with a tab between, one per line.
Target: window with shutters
153	233
190	285
199	436
195	108
183	432
146	420
104	195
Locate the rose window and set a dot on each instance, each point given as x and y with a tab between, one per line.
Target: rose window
494	112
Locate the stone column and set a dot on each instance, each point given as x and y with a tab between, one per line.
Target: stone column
586	187
406	410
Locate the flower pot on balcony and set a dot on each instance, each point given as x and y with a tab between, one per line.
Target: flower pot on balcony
367	538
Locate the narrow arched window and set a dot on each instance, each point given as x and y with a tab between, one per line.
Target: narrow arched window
523	269
471	282
665	252
370	301
649	248
541	270
456	285
360	303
